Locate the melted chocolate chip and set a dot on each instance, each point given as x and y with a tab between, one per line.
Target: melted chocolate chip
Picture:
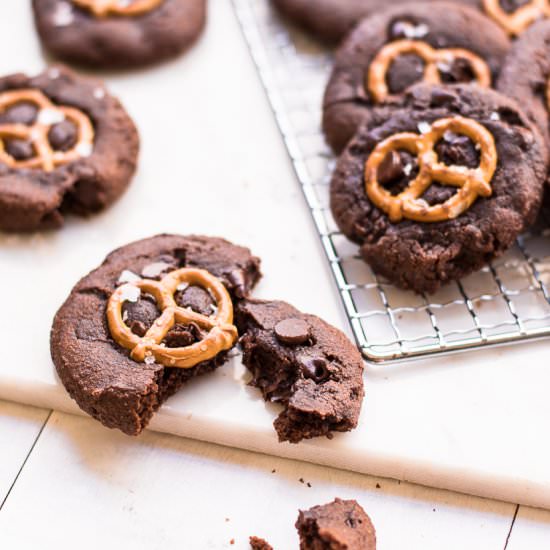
63	136
140	315
396	170
457	150
180	336
438	193
19	149
315	368
292	331
21	113
442	97
238	280
405	71
197	299
510	6
456	71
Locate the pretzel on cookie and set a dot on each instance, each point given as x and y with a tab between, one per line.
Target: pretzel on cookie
222	334
471	182
102	8
515	23
48	114
433	58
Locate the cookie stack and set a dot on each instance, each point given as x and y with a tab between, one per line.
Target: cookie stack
439	112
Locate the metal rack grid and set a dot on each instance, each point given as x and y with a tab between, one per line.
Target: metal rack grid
507	301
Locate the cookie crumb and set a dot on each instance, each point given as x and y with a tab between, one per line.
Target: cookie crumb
308	484
257	543
301	480
378	486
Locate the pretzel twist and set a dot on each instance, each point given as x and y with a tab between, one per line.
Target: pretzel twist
515	23
221	336
433	58
471	182
45	156
103	8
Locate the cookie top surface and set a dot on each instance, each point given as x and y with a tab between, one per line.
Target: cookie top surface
68	146
526	75
331	20
402	46
100	373
303	363
423	254
74	32
339	524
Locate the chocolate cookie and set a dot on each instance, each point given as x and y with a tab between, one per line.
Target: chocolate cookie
118	34
400	47
303	363
331	20
442	187
155	314
339	525
257	543
66	147
526	75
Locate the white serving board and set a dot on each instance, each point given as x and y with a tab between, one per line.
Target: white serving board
213	162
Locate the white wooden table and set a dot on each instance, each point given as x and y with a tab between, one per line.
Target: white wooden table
66	481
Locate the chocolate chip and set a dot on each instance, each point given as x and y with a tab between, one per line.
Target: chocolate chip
180	336
315	368
292	331
63	136
458	150
140	315
405	71
510	6
391	168
19	149
21	113
197	299
456	71
441	97
238	280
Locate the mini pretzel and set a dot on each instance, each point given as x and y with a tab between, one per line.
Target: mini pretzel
102	8
45	157
221	336
472	183
378	70
515	23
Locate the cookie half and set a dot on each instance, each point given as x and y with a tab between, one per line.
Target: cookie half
402	46
525	76
66	147
122	384
442	187
303	363
339	524
331	20
118	34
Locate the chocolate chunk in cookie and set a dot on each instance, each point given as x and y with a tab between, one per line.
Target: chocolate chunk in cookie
342	524
405	45
525	75
123	343
446	213
331	20
118	34
66	147
303	363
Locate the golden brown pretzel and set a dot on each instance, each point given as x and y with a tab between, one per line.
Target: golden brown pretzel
471	183
222	333
515	23
379	67
48	115
102	8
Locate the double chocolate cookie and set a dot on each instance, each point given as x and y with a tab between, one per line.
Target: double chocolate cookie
66	146
304	364
402	46
331	20
342	524
526	75
155	314
442	187
123	34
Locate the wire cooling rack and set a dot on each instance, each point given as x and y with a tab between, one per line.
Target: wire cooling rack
507	301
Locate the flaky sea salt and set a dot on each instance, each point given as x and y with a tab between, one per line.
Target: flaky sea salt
99	93
424	127
494	116
129	293
155	269
149	359
84	149
49	117
63	15
127	277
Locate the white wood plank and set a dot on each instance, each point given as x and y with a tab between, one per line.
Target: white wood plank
531	530
19	427
88	484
